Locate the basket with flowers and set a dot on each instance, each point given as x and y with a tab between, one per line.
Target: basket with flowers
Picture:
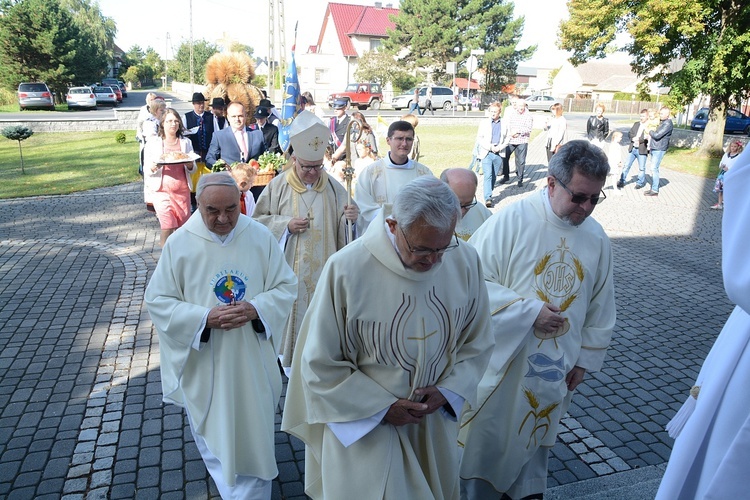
268	165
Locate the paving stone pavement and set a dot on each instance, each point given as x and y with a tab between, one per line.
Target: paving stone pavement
81	412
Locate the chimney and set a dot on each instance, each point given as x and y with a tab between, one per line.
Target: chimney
378	5
389	6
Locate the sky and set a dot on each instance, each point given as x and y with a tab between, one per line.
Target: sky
164	25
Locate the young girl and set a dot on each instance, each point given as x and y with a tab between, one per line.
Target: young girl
733	151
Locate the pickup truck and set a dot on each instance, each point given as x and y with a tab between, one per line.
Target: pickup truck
362	95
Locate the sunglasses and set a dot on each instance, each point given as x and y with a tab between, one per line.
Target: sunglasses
580	199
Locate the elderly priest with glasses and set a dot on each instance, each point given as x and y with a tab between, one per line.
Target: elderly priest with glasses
548	267
393	344
307	211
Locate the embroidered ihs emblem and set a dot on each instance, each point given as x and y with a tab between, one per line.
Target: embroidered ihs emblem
558	277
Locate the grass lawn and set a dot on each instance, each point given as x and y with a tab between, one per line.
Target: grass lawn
13	108
64	163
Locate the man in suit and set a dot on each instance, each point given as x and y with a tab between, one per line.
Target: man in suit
236	142
204	122
218	109
638	150
270	131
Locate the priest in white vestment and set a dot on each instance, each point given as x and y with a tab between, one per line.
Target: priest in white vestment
218	299
380	182
308	212
548	267
464	183
394	343
712	451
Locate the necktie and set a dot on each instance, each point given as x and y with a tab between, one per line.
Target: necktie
240	135
201	135
243	207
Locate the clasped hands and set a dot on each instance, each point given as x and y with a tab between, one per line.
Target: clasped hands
231	316
404	412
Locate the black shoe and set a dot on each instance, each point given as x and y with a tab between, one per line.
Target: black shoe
639	186
620	184
651	193
488	203
504	180
520	183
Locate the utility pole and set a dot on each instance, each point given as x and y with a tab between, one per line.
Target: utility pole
166	61
275	20
192	80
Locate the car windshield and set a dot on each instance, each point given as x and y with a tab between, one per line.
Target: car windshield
352	87
32	87
79	91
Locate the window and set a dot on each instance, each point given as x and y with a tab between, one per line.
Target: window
321	75
375	43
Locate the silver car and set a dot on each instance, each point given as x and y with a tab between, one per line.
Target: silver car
81	97
541	102
105	95
35	95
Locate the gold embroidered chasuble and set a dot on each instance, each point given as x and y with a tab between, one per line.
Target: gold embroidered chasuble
286	197
529	257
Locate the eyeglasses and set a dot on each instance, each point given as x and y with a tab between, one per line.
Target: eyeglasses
580	199
425	252
469	206
310	168
401	139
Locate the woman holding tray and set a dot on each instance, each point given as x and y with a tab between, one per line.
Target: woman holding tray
168	162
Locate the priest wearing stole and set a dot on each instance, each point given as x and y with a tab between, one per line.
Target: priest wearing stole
218	299
548	267
307	212
385	364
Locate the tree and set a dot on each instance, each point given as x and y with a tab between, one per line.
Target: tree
37	43
180	67
426	32
18	133
241	47
709	37
433	32
489	25
95	45
378	66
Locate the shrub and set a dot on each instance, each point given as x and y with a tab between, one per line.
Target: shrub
120	138
7	97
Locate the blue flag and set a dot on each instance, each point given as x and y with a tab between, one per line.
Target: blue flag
290	106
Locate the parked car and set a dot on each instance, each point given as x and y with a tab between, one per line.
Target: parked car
105	95
403	101
81	97
361	95
35	95
541	102
123	89
442	97
736	121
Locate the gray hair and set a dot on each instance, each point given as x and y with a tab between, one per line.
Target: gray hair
579	156
427	200
215	179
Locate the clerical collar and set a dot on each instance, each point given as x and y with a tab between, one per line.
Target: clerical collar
222	240
409	163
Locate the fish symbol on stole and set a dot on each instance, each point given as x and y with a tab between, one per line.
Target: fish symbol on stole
554	373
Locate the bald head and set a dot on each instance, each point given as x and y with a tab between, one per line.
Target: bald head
463	182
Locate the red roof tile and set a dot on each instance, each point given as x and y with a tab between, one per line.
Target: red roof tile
351	20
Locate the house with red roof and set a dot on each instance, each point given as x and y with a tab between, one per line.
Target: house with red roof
346	33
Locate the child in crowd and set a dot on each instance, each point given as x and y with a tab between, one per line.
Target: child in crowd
244	175
733	151
614	155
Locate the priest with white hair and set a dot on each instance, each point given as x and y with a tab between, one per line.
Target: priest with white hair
393	344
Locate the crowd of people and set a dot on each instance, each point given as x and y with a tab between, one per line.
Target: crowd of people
445	372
